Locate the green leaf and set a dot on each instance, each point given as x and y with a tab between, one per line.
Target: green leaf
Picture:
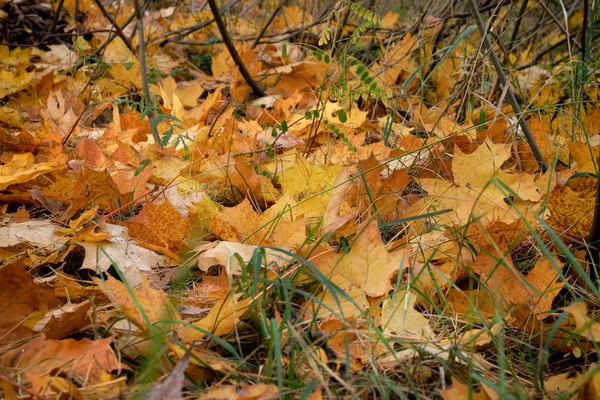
319	54
342	116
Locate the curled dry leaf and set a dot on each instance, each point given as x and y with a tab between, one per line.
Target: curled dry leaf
585	326
225	253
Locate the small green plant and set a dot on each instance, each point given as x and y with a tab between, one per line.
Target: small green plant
175	125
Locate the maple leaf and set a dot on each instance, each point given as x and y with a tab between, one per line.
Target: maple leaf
585	326
22	167
570	211
149	306
227	253
14	75
368	264
159	227
132	259
31	299
222	319
84	359
472	195
536	290
273	227
400	319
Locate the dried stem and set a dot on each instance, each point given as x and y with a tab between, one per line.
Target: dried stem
232	51
187	30
104	45
512	99
115	25
264	28
139	11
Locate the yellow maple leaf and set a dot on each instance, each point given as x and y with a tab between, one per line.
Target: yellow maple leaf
400	319
368	264
20	168
221	319
472	194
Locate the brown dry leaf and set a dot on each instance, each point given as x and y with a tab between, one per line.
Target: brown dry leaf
437	261
472	194
360	348
34	233
590	389
399	318
338	305
21	299
188	96
14	75
172	387
535	292
476	306
226	254
368	265
562	383
585	326
571	212
123	252
85	360
155	304
160	228
23	167
585	156
460	391
273	227
260	391
209	291
397	65
221	320
68	320
245	178
107	191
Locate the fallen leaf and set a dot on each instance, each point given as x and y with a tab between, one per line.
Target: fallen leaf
86	360
172	387
20	298
241	392
221	320
145	307
226	254
399	318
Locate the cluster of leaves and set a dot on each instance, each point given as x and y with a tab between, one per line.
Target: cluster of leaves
375	226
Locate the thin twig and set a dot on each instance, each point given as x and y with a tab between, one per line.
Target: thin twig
188	30
266	26
56	16
104	45
547	50
109	17
139	10
517	27
232	50
509	92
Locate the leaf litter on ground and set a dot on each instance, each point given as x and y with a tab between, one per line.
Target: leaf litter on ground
373	224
